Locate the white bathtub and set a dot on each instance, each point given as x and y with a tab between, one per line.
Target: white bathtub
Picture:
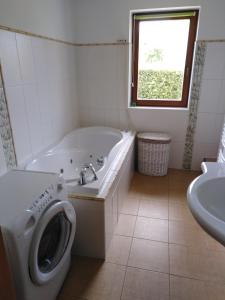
80	147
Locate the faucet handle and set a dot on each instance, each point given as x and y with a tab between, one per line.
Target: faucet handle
91	167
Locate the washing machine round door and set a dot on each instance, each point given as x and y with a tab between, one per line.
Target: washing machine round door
52	242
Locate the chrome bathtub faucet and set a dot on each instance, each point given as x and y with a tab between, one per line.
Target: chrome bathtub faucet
100	161
83	179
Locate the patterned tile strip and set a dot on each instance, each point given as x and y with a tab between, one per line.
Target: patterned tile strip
5	130
120	42
194	101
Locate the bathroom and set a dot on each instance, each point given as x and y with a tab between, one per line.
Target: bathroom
67	65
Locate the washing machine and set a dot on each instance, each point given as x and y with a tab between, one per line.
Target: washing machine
38	226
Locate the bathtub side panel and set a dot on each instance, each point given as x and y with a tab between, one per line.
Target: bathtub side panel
114	201
127	172
90	236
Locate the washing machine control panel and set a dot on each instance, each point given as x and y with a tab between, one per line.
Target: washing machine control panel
44	199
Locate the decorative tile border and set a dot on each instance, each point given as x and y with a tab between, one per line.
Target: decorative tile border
119	42
6	130
194	101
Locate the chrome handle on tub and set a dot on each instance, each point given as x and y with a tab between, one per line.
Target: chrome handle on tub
83	172
91	167
100	161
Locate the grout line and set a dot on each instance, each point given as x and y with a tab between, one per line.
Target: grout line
133	215
123	283
153	218
127	263
168	243
198	279
169	274
150	270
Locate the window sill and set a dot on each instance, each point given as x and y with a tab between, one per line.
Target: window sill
158	108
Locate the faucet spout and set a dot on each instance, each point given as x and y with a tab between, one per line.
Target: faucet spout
83	172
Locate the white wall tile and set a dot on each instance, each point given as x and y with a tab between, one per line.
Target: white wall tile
221	100
53	55
172	122
210	95
19	122
39	49
176	155
9	58
112	117
208	128
219	119
25	58
34	117
201	151
214	61
125	120
41	90
96	116
46	107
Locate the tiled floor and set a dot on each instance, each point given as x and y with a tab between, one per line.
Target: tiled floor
158	250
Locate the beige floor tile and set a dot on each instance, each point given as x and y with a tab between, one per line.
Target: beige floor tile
147	180
135	191
152	229
119	250
155	193
198	264
153	208
189	289
180	179
144	186
130	206
186	234
179	211
140	179
150	255
144	285
125	225
149	192
192	234
212	244
93	279
157	182
176	195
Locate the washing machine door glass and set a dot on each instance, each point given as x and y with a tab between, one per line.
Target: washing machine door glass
52	242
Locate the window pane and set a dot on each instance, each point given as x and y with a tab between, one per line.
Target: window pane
161	60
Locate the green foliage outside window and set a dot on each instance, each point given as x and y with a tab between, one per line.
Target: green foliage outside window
159	84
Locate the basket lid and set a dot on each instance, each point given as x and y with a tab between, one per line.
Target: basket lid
154	137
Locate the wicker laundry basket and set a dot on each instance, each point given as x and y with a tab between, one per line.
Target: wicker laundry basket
153	153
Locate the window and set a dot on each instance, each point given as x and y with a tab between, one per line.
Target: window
162	54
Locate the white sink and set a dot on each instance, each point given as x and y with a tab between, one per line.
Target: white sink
206	199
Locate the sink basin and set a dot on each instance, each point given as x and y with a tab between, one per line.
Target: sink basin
206	199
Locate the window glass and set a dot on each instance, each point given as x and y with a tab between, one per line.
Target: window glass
162	58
